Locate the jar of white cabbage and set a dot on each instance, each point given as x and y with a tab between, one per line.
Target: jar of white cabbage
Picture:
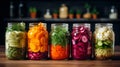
104	39
15	41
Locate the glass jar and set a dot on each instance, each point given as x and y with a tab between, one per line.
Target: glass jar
81	41
47	15
59	38
113	13
63	11
37	41
15	40
104	40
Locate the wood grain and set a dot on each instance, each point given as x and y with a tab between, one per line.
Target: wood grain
4	62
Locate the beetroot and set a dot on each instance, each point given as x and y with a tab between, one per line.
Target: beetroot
81	42
79	54
37	55
84	39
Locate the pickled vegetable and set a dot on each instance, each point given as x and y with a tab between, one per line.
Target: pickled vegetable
81	42
104	53
59	52
15	41
104	42
15	53
37	42
59	43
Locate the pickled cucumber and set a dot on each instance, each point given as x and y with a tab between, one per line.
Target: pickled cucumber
104	44
15	53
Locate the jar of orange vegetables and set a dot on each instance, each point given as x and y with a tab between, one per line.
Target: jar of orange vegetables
59	38
37	41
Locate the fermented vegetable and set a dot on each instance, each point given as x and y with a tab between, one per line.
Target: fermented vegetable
59	42
104	41
37	42
81	42
15	40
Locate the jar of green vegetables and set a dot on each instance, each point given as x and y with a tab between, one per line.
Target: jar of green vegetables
15	41
59	38
104	40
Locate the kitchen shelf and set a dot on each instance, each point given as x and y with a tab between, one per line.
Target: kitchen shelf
101	20
24	20
82	20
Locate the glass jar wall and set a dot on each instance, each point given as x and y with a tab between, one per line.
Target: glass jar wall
37	41
15	41
81	41
104	40
59	38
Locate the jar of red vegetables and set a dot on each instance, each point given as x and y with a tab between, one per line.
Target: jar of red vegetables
81	41
104	41
37	41
59	38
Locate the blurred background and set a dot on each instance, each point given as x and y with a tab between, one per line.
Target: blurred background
103	6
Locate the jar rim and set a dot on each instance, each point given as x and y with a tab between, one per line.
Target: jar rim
33	24
81	24
103	24
63	25
60	24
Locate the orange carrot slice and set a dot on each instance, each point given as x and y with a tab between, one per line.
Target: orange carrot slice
59	52
38	38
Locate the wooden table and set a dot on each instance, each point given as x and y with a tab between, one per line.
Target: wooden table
115	62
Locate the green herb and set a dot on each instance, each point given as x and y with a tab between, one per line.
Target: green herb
71	11
94	11
32	9
87	6
78	12
59	36
16	27
55	11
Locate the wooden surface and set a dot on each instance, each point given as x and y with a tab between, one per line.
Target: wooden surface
115	62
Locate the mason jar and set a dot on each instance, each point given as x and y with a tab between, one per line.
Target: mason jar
37	41
63	11
81	41
59	39
104	40
15	41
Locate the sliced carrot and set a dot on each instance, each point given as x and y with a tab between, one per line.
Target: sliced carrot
39	35
34	47
59	52
38	38
43	48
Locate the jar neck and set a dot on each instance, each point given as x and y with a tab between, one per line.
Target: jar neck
16	26
77	26
59	26
37	24
101	25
